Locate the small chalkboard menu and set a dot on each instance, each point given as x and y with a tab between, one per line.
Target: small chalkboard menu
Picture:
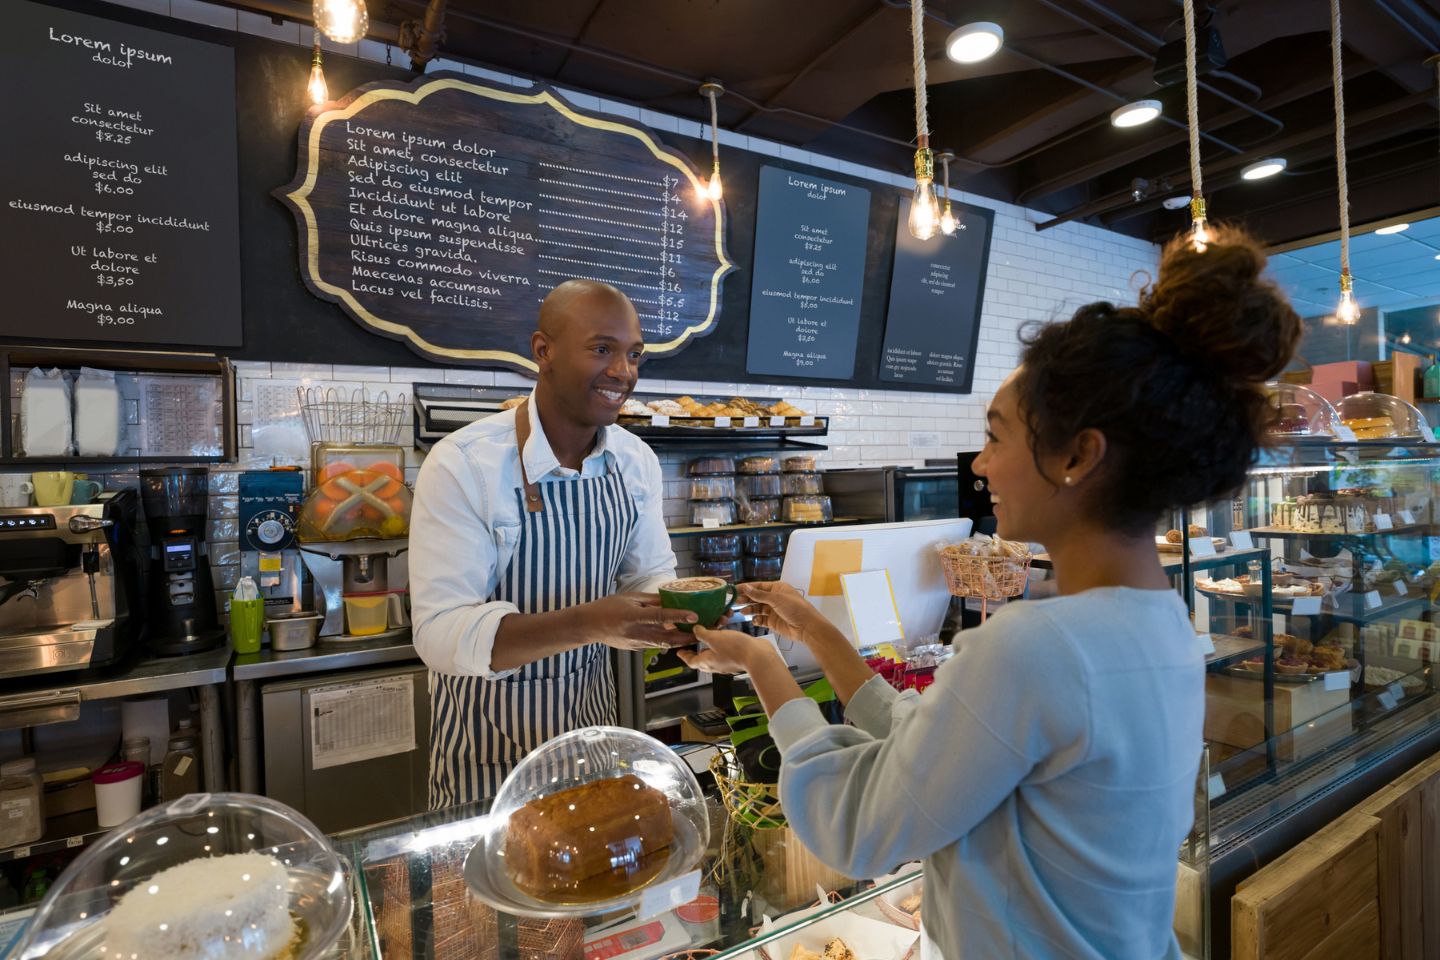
810	240
440	212
119	216
933	321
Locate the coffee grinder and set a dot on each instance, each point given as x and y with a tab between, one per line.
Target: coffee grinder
269	511
182	592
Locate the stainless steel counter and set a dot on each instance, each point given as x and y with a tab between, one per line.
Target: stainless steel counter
267	665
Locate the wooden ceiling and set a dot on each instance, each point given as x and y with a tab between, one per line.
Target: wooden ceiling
1031	123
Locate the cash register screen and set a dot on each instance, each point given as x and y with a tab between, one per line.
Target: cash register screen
907	550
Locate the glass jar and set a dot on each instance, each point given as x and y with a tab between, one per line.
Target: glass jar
22	803
182	766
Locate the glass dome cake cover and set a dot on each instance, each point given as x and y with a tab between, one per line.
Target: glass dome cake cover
587	823
212	876
1377	416
1300	411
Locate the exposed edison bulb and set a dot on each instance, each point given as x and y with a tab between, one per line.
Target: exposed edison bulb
922	212
948	223
714	190
1405	338
344	21
1199	235
1348	311
318	89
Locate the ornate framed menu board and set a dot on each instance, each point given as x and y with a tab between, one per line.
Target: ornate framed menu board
441	212
119	218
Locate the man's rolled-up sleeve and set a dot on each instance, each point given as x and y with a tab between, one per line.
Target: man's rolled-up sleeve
453	557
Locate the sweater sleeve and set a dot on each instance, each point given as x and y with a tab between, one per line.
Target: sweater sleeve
1011	704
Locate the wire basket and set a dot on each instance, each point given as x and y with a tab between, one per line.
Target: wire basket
755	805
332	416
985	578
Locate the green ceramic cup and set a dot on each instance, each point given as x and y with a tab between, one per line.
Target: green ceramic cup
247	620
707	597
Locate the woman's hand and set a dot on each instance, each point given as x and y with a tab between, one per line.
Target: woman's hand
730	651
781	609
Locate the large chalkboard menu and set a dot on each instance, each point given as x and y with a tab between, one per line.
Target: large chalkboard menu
118	220
932	325
441	212
810	241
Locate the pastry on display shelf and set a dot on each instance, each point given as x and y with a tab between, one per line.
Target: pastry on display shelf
666	408
1371	428
599	840
736	408
1292	666
1194	530
185	911
634	408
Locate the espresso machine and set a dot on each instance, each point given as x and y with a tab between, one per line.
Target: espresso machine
270	503
182	592
72	593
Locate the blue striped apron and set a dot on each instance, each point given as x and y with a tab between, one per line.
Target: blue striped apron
569	552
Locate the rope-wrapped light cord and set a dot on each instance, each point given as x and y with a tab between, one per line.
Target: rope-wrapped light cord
1192	100
1338	81
917	41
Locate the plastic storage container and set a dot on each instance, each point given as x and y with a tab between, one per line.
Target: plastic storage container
758	465
366	614
22	803
718	546
762	568
716	487
108	901
764	544
803	483
626	809
709	466
728	570
807	510
118	790
761	485
716	511
760	510
801	464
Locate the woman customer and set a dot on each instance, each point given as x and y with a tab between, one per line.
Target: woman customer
1047	777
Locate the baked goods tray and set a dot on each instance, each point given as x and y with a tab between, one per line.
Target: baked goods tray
1279	603
1294	679
681	415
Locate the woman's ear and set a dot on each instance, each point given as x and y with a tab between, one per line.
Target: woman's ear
1087	452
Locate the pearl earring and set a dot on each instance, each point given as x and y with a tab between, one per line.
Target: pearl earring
1069	481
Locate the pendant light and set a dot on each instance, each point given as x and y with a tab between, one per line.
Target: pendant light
948	221
924	212
343	21
318	89
1199	232
1347	311
713	92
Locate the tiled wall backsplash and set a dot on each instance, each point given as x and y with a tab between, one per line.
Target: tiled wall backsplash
1033	276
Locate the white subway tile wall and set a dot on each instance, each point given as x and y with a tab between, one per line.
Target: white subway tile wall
1033	276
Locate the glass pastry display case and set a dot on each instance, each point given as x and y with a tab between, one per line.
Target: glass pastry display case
1314	594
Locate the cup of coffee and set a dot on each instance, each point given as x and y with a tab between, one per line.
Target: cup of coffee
52	488
706	597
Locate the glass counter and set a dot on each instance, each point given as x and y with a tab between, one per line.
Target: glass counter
411	893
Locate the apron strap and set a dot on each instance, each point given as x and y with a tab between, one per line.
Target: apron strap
533	503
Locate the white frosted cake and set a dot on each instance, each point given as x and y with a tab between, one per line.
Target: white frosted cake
213	908
1331	515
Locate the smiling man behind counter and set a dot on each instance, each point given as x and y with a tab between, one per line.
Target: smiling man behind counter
536	539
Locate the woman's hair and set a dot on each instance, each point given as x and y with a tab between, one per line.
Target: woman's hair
1174	384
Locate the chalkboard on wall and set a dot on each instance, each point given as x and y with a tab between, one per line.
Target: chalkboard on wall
809	273
932	325
119	221
441	212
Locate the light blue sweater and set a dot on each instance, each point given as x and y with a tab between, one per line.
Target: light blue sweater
1047	778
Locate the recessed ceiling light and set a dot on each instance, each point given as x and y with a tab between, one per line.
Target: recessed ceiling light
974	42
1134	114
1179	203
1393	228
1261	169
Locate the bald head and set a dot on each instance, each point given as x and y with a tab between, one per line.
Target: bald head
581	302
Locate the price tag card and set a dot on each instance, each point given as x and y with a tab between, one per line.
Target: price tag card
807	421
1400	588
1307	606
1344	433
664	897
1407	517
1216	787
1387	700
1383	522
659	420
1337	680
1241	540
71	842
1427	434
710	523
777	421
752	421
1202	547
1207	643
722	421
1396	691
1372	600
